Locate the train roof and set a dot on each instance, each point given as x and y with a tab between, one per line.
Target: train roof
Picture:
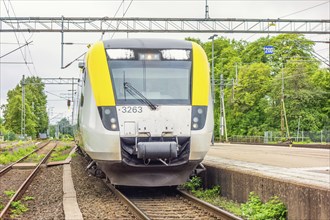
147	43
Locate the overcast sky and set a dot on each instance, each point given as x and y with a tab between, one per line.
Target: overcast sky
46	48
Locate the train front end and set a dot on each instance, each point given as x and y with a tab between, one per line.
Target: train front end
147	116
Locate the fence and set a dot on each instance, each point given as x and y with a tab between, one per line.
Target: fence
322	136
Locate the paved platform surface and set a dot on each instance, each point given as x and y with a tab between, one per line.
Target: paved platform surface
70	205
299	165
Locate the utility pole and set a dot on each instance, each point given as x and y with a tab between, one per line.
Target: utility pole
222	125
298	128
283	111
220	109
212	69
72	100
282	101
233	90
62	44
212	88
23	109
207	16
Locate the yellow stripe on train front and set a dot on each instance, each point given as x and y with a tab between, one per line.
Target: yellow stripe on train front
201	77
99	75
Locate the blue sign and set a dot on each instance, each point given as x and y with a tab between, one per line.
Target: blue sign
268	49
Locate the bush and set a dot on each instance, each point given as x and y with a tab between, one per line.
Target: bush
10	136
255	209
194	184
66	137
195	187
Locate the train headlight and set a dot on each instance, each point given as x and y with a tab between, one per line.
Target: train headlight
149	56
109	118
113	127
198	117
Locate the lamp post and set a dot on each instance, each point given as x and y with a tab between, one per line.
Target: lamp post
298	128
212	88
212	69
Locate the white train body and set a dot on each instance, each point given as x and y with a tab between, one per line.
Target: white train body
146	115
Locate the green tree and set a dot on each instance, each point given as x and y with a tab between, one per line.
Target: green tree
36	119
65	127
226	59
304	98
246	111
253	101
52	130
37	102
286	46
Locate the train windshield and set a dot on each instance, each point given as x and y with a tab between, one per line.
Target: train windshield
160	81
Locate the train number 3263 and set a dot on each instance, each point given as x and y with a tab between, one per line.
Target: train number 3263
131	109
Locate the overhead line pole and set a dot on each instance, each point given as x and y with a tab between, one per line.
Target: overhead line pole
207	16
23	109
62	43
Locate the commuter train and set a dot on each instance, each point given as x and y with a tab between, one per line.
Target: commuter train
146	111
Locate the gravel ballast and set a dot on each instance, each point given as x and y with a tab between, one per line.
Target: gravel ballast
95	200
47	192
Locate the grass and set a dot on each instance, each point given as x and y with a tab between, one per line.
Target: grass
35	157
28	198
60	153
9	193
1	205
254	208
8	157
212	196
17	208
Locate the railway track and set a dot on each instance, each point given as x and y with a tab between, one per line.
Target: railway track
167	203
27	181
10	166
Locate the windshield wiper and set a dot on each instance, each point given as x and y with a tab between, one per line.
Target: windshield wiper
138	95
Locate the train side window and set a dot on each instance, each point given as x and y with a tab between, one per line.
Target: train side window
84	75
82	100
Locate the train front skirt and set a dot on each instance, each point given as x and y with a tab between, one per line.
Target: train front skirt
120	173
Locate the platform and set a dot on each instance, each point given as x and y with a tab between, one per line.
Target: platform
300	177
300	165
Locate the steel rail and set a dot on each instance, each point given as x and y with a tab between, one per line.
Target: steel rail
10	166
209	207
25	184
126	201
216	211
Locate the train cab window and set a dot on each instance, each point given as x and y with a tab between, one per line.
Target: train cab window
160	81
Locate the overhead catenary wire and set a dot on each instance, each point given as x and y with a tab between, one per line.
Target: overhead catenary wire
306	9
17	39
168	0
57	95
122	2
122	17
26	44
293	13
